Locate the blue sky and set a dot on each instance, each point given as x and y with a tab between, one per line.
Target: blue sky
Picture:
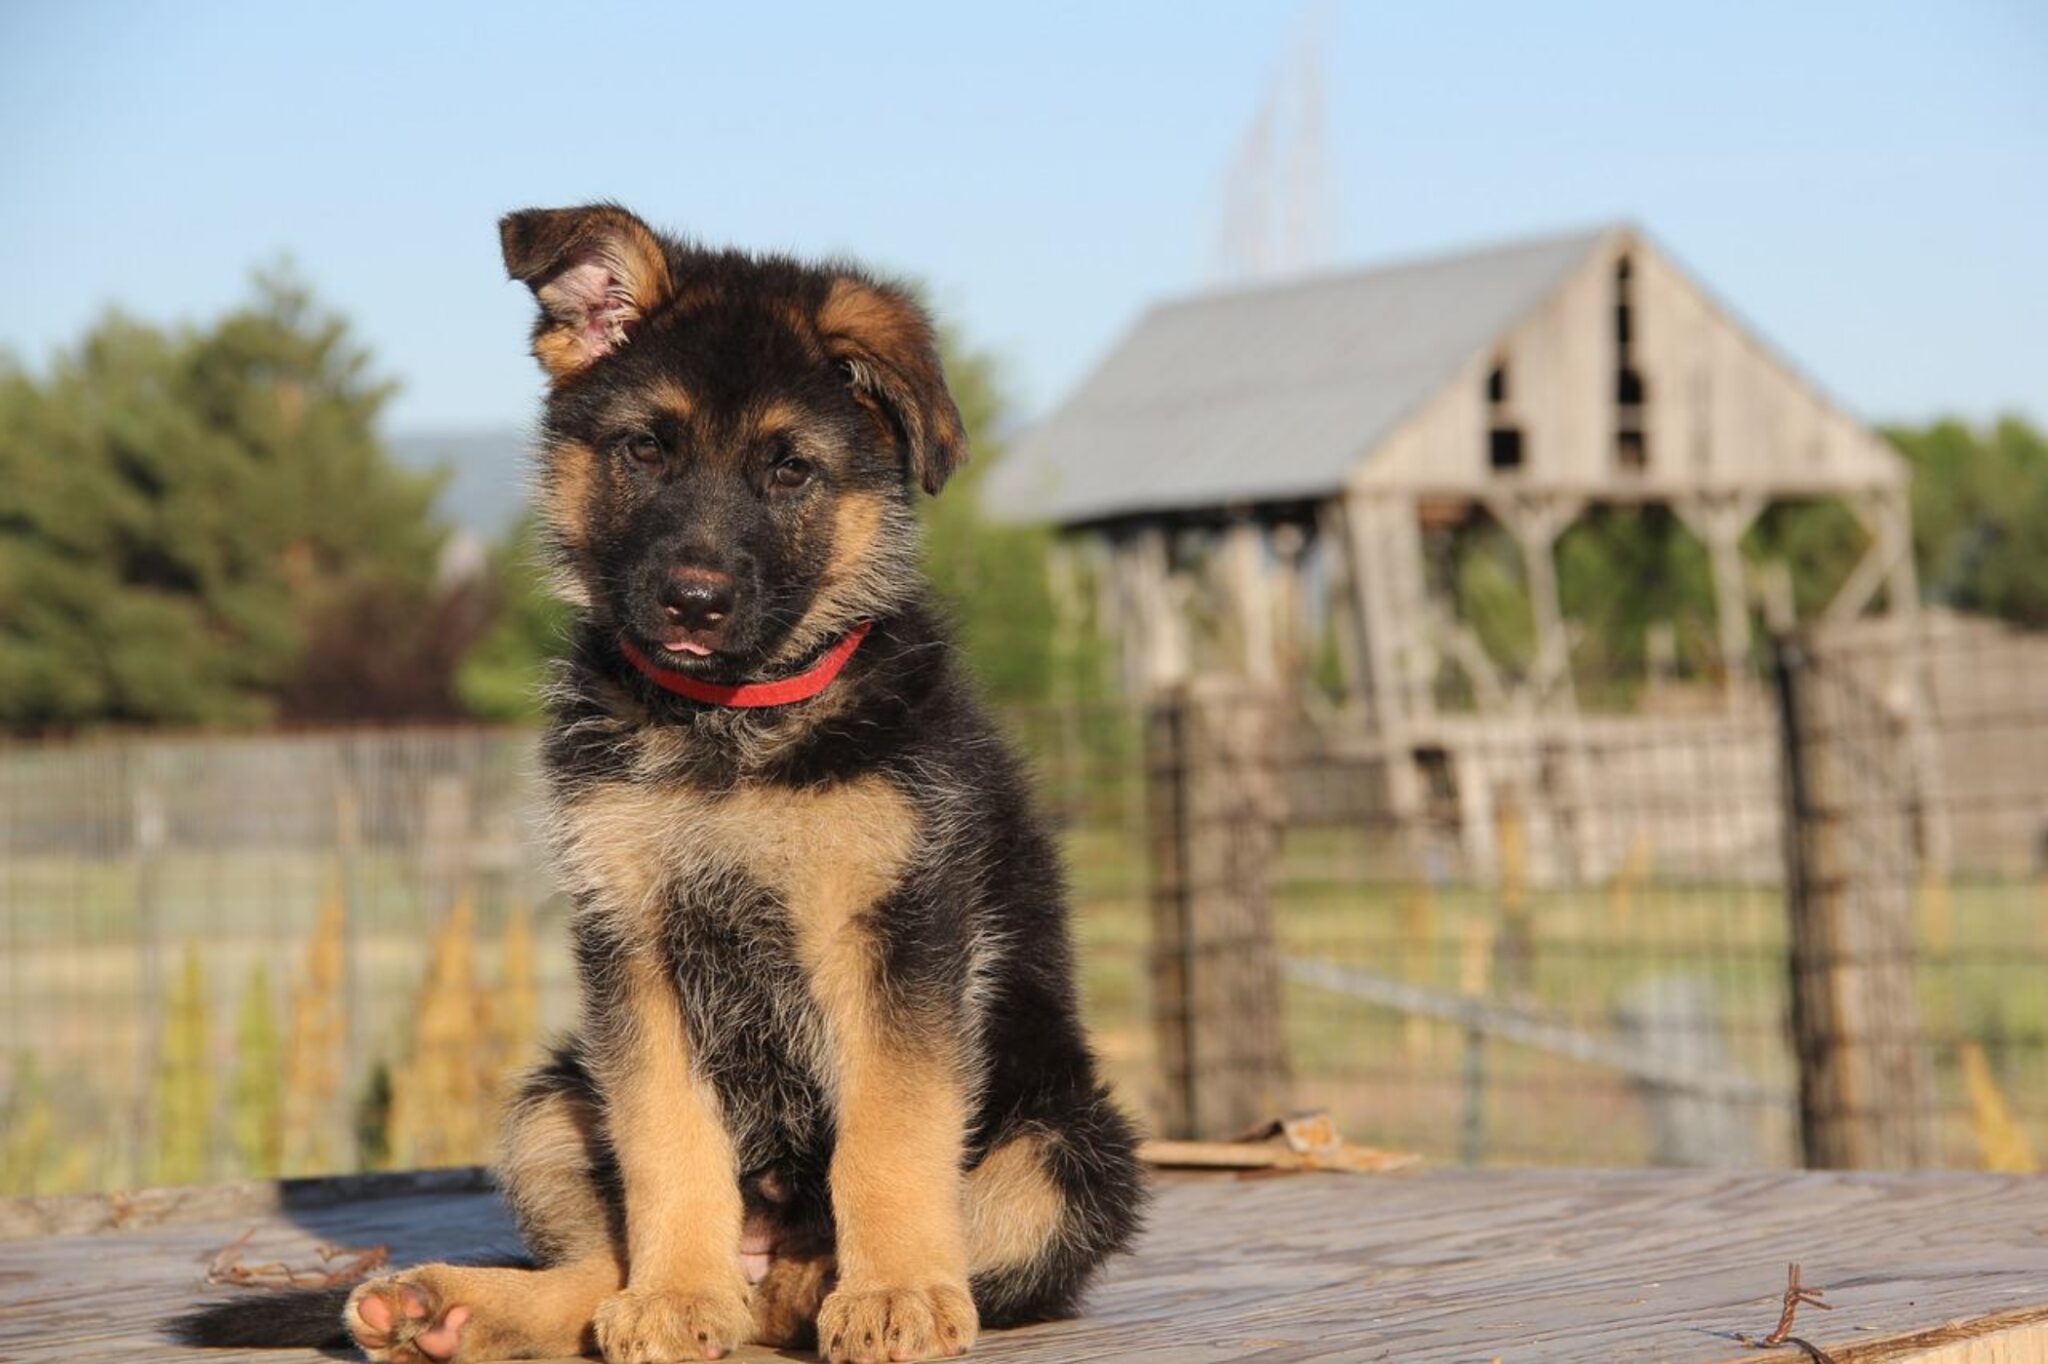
1867	183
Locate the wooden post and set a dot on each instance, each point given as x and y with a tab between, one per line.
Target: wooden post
355	1008
142	764
1536	521
1375	527
1863	1072
1249	598
1215	817
1156	648
1719	521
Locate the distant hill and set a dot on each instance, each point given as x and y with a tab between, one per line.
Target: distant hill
487	489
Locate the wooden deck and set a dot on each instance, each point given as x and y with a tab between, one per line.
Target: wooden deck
1441	1266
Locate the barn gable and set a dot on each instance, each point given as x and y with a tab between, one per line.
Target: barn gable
1475	374
1271	393
1628	382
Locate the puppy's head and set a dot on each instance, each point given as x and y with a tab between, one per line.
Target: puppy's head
732	444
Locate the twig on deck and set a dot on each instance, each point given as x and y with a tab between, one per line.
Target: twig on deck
226	1267
1796	1297
1299	1141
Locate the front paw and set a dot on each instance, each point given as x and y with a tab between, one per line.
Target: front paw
866	1326
647	1326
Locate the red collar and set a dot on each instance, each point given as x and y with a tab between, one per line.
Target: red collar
747	695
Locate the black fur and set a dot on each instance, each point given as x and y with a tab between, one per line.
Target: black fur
305	1318
675	410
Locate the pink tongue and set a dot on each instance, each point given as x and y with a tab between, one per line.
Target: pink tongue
685	646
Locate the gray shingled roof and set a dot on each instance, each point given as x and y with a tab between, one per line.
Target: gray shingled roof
1271	393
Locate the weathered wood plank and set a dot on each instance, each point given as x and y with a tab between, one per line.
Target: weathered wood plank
1442	1266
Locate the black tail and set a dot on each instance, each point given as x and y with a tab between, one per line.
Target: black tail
309	1318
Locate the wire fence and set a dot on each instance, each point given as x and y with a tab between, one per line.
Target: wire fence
1562	940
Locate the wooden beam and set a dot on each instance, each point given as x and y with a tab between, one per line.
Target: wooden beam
1889	558
1719	521
1333	541
1536	520
1248	594
1155	652
1371	528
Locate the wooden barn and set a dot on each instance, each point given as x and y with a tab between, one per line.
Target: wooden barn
1251	468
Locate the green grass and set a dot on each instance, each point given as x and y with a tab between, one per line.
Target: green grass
1403	1082
74	962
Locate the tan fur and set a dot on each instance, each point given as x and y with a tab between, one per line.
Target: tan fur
546	1152
896	1192
1014	1210
867	1327
671	398
683	1211
901	1107
647	1326
683	1208
855	520
572	475
560	351
866	327
513	1313
777	417
820	851
867	316
787	1299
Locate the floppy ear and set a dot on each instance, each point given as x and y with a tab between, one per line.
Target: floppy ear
595	270
892	359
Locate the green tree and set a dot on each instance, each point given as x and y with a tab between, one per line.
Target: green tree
178	506
992	573
1621	570
1980	516
500	678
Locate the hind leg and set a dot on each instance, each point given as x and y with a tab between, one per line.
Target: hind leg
459	1314
1050	1201
786	1300
552	1175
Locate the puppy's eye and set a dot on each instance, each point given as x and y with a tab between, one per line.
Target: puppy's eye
790	473
642	447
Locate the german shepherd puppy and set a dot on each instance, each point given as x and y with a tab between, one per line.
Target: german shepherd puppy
829	1084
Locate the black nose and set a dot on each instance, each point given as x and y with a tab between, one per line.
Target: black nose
697	598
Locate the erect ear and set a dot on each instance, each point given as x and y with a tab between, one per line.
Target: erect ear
595	270
886	343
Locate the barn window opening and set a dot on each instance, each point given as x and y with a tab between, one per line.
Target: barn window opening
1503	437
1630	452
1504	447
1631	443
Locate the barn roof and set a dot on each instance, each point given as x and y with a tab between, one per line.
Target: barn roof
1270	393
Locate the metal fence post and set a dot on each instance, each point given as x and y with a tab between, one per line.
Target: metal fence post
1863	1084
1214	806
